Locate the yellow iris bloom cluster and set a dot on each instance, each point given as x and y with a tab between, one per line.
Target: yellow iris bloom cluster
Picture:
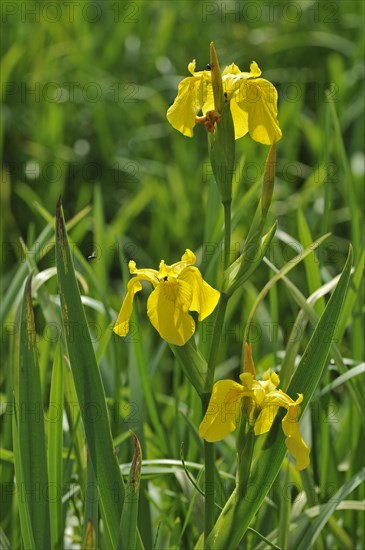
253	103
178	289
225	408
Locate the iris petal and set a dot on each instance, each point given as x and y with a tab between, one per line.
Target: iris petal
299	450
189	101
258	98
121	326
167	309
265	419
188	258
294	442
223	411
205	298
240	118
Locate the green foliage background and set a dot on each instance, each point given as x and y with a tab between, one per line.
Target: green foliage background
85	89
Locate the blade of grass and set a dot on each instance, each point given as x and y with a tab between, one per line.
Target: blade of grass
24	512
89	542
310	262
284	514
91	511
89	387
283	271
128	524
313	317
55	466
42	245
327	510
32	445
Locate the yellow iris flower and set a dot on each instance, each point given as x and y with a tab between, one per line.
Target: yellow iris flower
225	408
253	103
178	289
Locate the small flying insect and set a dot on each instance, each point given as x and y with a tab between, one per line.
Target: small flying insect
92	256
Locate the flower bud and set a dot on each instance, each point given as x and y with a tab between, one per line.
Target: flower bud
216	79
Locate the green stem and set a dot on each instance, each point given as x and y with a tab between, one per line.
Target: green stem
216	340
222	306
227	232
209	459
245	441
209	450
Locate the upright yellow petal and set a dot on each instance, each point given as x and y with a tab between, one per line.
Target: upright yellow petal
191	67
270	380
223	411
188	258
204	297
146	274
258	98
189	101
121	326
254	70
231	69
167	309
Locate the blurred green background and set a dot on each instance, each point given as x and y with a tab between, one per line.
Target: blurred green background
86	86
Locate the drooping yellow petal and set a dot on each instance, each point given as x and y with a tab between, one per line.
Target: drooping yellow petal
223	411
167	309
258	98
205	298
294	442
290	421
240	118
265	419
190	99
121	326
278	397
299	450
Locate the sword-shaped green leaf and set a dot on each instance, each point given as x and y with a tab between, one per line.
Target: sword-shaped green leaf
30	447
89	387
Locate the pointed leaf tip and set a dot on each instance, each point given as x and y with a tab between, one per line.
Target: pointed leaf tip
60	224
59	208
